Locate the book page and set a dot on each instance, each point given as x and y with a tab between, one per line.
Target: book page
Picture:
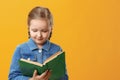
47	60
52	57
31	62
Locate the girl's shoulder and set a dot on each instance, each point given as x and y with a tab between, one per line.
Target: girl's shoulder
23	47
54	46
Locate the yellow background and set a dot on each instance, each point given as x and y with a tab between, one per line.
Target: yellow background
88	30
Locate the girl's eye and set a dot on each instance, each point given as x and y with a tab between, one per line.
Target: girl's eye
34	30
45	31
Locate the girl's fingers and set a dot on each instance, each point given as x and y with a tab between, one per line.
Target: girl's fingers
47	76
35	73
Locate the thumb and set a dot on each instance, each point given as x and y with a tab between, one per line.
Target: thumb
35	73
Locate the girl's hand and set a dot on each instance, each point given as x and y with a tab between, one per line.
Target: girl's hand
43	76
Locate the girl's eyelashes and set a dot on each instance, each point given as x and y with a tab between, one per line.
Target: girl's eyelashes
34	30
44	30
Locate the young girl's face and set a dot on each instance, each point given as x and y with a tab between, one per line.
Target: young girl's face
39	31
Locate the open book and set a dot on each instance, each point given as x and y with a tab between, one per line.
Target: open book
55	63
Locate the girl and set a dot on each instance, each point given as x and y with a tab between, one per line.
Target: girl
38	48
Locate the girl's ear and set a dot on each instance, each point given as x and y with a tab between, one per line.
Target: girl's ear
50	32
51	28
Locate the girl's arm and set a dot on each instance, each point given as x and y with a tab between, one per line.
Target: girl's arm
15	73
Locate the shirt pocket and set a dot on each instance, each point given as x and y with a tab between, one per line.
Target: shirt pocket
30	56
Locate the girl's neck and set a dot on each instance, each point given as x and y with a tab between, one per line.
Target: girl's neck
39	46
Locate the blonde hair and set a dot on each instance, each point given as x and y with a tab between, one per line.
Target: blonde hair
40	13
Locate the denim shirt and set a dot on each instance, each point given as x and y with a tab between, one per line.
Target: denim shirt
29	50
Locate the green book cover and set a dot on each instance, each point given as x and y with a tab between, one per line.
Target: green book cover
55	63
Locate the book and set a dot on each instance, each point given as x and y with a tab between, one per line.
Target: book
55	63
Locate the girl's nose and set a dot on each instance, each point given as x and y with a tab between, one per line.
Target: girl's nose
39	34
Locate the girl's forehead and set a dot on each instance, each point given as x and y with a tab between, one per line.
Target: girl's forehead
39	24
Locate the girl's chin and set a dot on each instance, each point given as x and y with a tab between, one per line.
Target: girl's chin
40	42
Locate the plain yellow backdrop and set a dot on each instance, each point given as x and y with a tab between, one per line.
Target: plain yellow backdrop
88	30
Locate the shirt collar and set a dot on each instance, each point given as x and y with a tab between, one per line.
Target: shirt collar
46	46
32	45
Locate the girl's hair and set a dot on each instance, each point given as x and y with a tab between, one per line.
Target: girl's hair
40	13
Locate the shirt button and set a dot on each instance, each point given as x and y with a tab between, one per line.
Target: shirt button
40	50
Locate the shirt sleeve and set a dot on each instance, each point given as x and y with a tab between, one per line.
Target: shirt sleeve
15	73
65	77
